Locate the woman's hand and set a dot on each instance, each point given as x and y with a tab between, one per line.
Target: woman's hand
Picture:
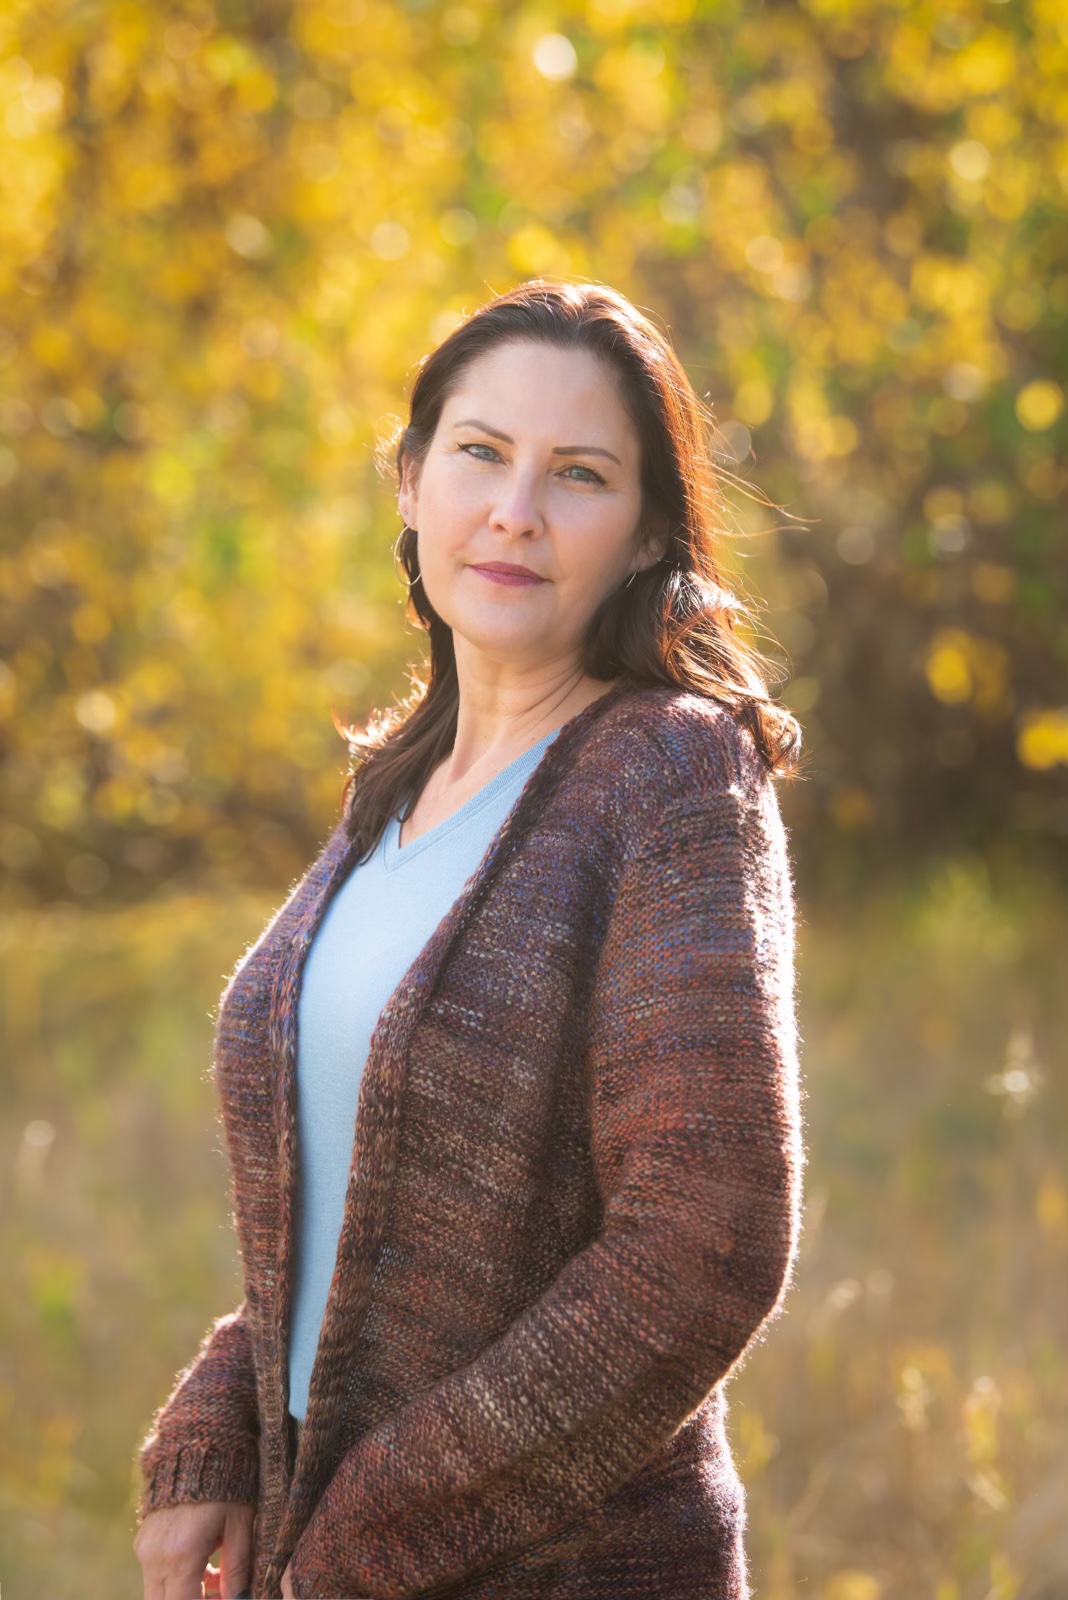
174	1543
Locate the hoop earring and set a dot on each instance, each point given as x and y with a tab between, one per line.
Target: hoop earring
631	579
409	583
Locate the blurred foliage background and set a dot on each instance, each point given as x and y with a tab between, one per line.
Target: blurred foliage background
227	234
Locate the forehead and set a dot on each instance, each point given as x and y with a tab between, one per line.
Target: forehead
531	386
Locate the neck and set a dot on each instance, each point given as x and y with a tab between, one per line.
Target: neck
500	716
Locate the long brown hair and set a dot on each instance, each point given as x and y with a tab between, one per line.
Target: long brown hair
675	624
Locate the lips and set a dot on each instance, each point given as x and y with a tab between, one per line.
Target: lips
506	572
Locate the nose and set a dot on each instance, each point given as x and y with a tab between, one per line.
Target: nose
516	511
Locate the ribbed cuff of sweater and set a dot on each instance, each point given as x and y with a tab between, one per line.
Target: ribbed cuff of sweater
198	1472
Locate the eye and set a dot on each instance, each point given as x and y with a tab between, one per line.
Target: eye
592	476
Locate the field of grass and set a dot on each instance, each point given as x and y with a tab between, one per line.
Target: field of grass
902	1431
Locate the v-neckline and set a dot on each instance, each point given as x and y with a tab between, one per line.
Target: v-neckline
396	854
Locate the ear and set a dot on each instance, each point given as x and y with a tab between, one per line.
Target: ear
407	496
655	541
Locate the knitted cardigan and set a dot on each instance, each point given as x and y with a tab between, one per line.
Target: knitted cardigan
573	1203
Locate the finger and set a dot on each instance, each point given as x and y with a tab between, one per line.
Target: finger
212	1583
175	1582
236	1556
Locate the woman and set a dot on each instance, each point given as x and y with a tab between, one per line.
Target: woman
547	955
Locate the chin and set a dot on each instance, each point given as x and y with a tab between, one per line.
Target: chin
495	637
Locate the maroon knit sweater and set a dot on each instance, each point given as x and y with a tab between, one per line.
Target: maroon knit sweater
574	1199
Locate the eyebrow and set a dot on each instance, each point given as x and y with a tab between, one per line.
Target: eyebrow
558	450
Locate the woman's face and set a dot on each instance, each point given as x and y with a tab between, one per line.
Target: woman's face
534	464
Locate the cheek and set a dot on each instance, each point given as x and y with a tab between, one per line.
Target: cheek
451	501
595	547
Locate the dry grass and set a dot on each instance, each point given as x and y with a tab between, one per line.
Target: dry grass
903	1430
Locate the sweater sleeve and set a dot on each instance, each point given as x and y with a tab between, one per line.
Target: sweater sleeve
696	1145
204	1443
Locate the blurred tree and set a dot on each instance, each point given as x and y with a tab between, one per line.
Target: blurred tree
228	233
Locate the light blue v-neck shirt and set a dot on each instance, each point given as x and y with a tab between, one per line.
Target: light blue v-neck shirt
376	925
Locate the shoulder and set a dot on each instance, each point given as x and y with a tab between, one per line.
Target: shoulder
671	745
655	758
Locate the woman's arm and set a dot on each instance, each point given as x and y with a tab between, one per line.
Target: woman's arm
696	1142
204	1443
